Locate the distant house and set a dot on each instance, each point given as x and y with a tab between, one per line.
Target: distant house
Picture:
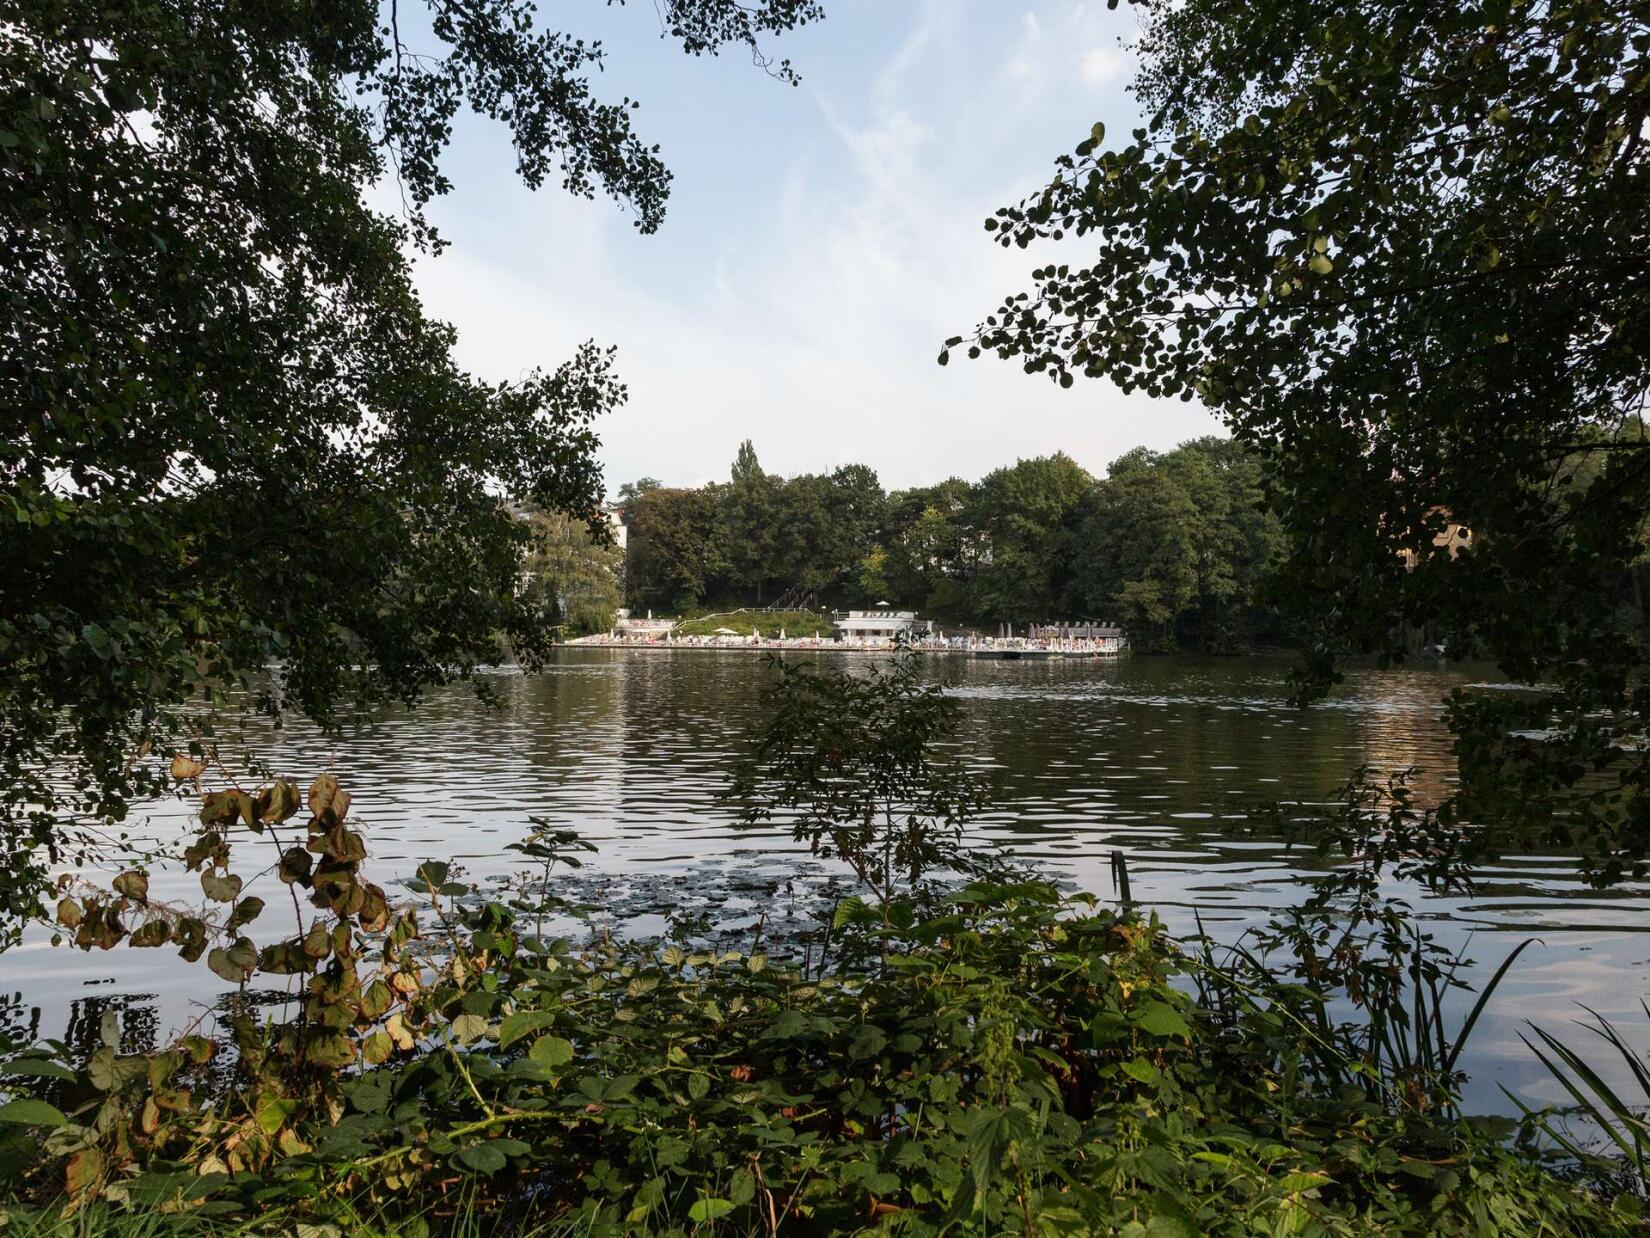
616	524
881	624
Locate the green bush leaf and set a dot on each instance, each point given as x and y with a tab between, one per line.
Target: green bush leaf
1161	1019
551	1051
709	1208
29	1112
513	1027
1289	1184
37	1067
485	1157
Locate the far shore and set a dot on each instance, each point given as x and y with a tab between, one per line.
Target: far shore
1014	647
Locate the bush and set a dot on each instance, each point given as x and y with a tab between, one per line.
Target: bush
760	623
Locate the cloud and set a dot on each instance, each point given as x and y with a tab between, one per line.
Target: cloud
1101	65
1022	64
813	324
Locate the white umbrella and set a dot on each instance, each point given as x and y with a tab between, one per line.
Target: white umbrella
724	632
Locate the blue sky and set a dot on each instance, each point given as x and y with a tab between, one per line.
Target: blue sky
820	242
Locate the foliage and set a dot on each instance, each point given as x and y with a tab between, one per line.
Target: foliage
1021	513
1021	1062
851	762
572	575
768	535
758	623
668	555
1396	247
232	438
1178	545
745	533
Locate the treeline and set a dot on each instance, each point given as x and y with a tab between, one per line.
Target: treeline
1173	545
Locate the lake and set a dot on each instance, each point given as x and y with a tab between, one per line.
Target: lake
1158	758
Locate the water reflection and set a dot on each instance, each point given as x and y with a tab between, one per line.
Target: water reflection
1161	759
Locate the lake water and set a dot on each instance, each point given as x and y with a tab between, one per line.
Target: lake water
1157	758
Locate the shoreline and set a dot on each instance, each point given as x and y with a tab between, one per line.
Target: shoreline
989	649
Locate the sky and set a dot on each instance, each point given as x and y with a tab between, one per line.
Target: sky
820	243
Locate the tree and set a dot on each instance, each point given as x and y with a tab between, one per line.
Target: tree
1177	546
632	490
1400	248
823	525
801	532
1134	553
1240	542
856	508
670	556
573	577
931	554
1022	516
871	577
231	437
853	763
746	533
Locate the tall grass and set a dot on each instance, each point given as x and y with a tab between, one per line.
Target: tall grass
1402	1046
1620	1153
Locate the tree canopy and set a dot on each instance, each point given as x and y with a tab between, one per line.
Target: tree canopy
1401	249
574	576
233	440
1176	545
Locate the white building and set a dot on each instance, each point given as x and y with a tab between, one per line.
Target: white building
882	625
615	523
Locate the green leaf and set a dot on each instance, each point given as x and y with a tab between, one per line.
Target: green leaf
274	1113
1142	1070
482	1157
37	1067
29	1112
1292	1183
551	1051
513	1027
708	1208
235	963
371	1092
376	1048
868	1041
1161	1019
108	1072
